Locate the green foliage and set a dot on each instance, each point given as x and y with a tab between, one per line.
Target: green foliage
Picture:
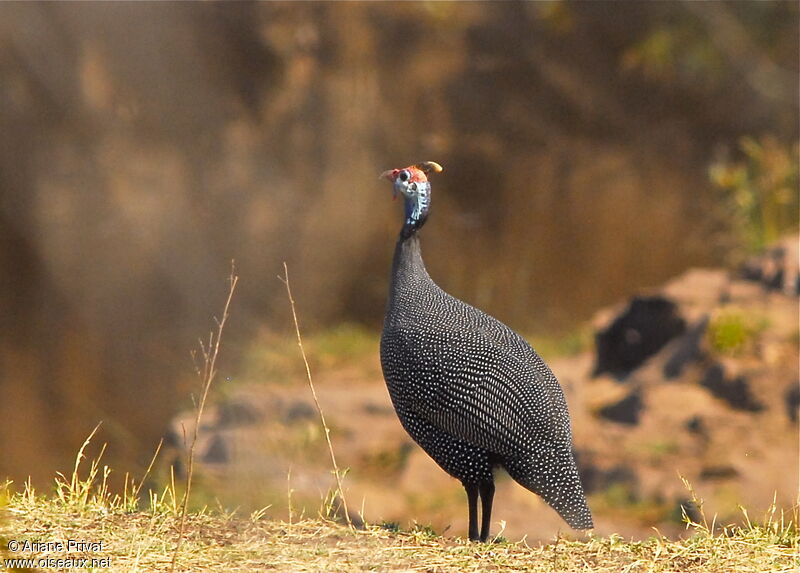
661	447
392	526
386	462
760	190
423	531
731	333
569	343
618	495
273	358
342	343
621	500
675	52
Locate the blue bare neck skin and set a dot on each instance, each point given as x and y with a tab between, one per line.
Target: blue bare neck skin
416	209
408	269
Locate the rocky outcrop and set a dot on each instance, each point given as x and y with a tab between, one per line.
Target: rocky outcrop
626	411
777	268
735	391
699	378
642	329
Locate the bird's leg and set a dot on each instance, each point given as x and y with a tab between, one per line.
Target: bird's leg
487	496
472	500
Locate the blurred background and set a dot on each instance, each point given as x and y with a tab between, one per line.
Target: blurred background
591	150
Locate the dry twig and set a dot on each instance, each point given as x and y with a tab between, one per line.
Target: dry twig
206	373
336	472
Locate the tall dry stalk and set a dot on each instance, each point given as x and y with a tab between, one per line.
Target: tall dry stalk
336	472
206	373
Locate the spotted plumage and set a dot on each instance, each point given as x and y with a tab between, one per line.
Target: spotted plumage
469	390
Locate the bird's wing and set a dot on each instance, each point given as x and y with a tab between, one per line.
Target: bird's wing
481	389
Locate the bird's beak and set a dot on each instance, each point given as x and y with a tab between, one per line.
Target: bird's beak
390	176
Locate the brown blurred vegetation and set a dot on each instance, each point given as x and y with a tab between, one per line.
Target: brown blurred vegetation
146	145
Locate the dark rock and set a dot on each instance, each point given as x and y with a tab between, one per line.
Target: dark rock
217	451
718	473
172	439
232	414
736	392
688	349
626	411
336	511
596	479
298	411
376	409
793	401
776	268
641	330
690	510
178	466
697	426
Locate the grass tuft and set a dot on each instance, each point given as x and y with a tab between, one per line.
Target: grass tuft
731	333
216	540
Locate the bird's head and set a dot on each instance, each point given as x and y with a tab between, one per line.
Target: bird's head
412	183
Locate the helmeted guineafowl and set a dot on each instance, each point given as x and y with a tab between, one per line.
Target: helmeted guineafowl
467	388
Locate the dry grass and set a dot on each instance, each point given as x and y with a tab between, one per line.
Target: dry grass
206	373
143	540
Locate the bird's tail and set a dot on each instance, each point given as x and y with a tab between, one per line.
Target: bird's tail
553	475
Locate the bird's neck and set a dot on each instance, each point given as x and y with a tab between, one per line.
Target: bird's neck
408	257
408	268
416	209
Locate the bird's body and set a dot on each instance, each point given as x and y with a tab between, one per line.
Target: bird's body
469	390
